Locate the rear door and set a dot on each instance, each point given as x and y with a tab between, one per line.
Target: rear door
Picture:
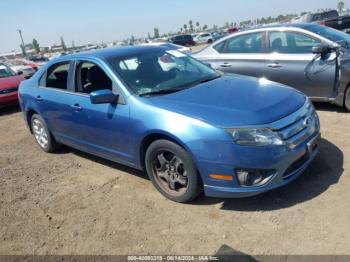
54	99
290	61
241	54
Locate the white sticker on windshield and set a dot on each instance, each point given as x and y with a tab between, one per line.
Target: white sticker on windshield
175	53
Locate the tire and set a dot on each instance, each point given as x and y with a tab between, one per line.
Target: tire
210	41
172	171
42	134
347	99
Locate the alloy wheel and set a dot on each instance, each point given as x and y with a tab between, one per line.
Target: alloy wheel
40	133
170	172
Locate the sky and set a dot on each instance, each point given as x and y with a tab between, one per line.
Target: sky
96	21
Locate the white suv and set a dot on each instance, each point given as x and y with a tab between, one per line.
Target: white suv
204	38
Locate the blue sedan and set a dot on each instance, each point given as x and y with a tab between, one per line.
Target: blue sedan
190	127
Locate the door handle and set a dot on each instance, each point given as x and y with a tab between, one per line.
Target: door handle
274	65
76	107
226	65
39	98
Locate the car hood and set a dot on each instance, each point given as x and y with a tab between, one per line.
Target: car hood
233	100
12	81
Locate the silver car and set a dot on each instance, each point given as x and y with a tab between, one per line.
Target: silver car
311	58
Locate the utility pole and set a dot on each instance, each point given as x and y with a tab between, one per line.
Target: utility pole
20	34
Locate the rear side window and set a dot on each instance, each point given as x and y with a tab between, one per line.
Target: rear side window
57	76
245	44
220	47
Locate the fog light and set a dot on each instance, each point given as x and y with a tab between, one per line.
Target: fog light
251	177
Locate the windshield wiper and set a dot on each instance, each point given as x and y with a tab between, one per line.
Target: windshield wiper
160	92
208	79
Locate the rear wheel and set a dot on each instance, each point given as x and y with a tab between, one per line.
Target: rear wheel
172	171
42	135
347	99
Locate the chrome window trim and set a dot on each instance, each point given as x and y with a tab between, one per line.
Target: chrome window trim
286	28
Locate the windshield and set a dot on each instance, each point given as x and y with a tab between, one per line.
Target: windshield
161	71
5	71
329	33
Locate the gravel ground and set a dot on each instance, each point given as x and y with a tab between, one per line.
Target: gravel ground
74	203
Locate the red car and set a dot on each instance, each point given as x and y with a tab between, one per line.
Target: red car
9	82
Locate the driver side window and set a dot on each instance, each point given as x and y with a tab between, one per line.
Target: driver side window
90	77
291	43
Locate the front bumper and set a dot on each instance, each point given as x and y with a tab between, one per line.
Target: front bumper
8	99
283	176
301	134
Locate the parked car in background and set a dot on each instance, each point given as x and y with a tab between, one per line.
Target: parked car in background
9	82
38	60
317	17
232	30
204	38
311	58
171	46
184	40
219	35
160	40
190	127
20	66
328	18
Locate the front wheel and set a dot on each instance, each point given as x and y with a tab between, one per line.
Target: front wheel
347	99
172	171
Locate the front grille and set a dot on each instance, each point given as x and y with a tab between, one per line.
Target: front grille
8	90
298	127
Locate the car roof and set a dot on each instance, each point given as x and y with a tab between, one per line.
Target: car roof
114	52
288	25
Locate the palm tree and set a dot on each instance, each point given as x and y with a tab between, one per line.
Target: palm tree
197	25
190	26
341	6
36	46
185	27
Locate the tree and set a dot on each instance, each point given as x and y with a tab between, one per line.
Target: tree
156	32
198	26
205	27
23	49
63	44
132	39
36	46
185	28
148	35
190	23
341	6
73	44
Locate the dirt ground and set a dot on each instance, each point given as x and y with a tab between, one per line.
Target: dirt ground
74	203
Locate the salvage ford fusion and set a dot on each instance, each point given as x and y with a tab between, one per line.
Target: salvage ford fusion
190	127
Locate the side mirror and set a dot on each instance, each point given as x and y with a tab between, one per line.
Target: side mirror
19	72
321	49
104	96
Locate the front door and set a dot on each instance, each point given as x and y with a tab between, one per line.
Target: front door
290	61
103	127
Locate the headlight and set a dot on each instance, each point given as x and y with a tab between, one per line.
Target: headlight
255	136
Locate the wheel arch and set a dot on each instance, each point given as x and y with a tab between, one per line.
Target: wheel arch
159	135
29	113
